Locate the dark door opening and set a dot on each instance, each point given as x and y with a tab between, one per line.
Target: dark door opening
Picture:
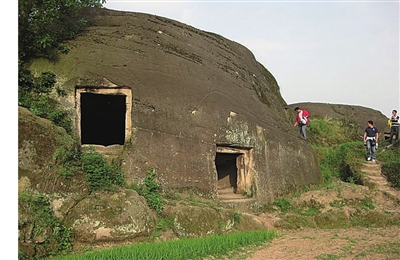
102	119
227	170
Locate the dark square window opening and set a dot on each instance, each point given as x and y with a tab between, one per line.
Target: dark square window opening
102	119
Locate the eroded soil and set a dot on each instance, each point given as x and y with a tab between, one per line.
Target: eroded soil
373	243
352	243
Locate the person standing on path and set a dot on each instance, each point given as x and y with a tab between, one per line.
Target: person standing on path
302	121
394	129
371	136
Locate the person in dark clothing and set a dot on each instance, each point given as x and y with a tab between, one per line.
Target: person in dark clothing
371	136
394	129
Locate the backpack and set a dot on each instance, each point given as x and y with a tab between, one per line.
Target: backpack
305	119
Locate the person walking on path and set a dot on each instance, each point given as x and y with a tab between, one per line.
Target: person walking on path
394	129
302	121
371	136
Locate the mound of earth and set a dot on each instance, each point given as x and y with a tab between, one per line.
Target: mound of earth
375	239
353	114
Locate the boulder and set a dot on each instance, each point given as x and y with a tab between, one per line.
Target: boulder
107	217
191	104
357	115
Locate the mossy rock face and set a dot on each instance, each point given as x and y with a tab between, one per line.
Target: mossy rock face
38	139
335	218
195	221
110	217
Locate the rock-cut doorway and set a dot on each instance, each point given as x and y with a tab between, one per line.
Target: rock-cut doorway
233	169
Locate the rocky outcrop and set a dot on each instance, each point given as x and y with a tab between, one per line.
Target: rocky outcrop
105	217
194	100
351	114
52	207
57	212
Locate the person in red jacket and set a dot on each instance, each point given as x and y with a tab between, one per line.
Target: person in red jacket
302	121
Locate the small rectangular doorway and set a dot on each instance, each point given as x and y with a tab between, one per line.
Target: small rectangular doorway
233	169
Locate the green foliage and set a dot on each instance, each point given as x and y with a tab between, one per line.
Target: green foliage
284	204
164	223
44	25
328	160
391	164
367	203
44	224
339	155
46	82
68	157
42	28
329	132
25	85
150	190
392	171
193	248
341	162
237	217
100	174
34	94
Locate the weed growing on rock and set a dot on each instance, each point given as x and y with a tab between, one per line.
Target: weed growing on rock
68	156
150	190
283	204
100	174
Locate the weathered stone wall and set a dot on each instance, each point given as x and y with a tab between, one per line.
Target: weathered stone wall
191	91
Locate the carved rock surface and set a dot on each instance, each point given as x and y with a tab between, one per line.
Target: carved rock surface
192	95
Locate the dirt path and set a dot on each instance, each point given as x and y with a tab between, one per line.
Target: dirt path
374	244
327	244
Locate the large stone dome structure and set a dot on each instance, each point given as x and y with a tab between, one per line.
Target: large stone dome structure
156	93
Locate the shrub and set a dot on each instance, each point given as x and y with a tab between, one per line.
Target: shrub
343	161
34	94
44	224
99	174
391	170
150	190
283	204
391	164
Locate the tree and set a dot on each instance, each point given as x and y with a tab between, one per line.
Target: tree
43	25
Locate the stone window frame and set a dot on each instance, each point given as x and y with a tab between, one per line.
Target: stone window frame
105	91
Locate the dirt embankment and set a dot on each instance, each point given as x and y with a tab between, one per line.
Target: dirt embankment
352	243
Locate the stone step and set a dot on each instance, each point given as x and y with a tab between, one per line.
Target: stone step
228	194
241	200
231	196
225	190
